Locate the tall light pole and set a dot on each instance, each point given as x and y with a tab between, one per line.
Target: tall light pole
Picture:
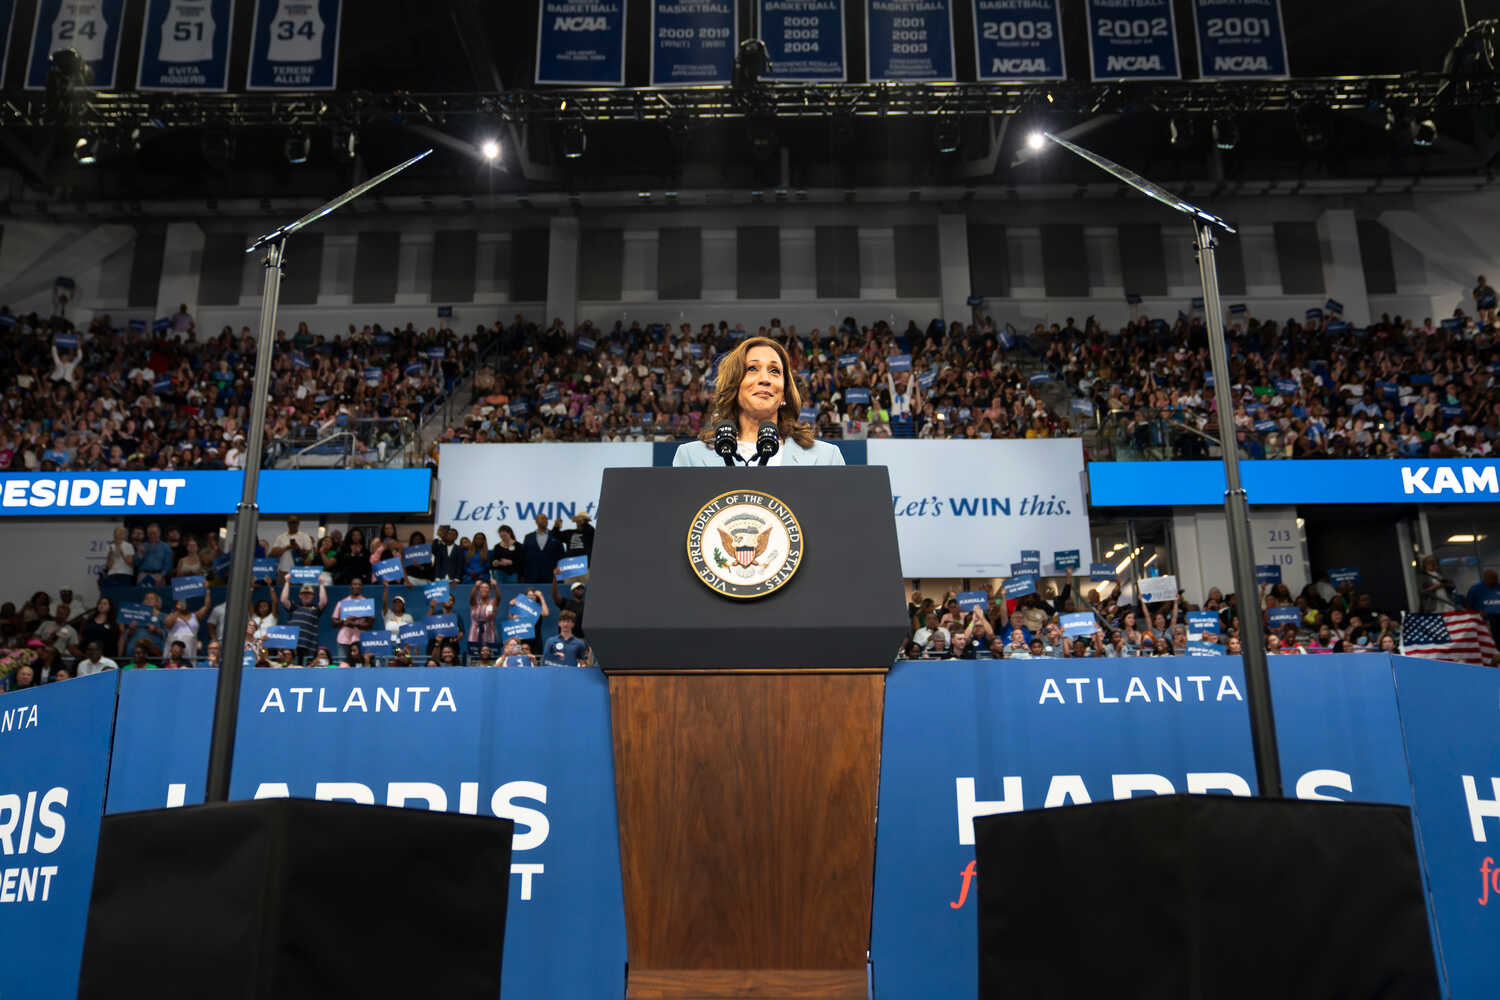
1236	503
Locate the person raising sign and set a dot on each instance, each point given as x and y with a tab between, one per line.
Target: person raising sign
756	415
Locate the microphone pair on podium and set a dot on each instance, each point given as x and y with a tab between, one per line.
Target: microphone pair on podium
727	442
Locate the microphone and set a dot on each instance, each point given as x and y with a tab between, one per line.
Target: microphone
767	441
726	442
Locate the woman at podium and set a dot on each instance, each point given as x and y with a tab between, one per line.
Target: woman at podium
756	388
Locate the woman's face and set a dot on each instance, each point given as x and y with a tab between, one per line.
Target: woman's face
512	647
764	384
24	676
104	607
483	589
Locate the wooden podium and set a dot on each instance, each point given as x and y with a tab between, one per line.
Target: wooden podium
747	734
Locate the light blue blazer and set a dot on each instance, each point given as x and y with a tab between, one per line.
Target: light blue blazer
696	454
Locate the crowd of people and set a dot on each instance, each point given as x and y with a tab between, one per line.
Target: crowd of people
101	397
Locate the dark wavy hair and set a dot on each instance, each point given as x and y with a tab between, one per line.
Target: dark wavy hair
726	404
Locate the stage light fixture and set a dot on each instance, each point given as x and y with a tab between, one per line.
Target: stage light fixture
1035	141
1424	132
945	134
490	150
297	147
1312	125
345	144
1226	133
574	140
86	151
751	62
1180	131
68	86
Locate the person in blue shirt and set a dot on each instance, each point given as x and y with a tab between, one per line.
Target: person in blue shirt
564	649
1487	589
154	562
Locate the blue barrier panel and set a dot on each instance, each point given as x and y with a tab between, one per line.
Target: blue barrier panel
530	745
162	727
1452	733
964	738
55	742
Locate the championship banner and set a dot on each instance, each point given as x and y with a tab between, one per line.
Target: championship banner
294	45
581	42
804	38
7	19
1448	715
56	745
1019	41
1132	40
693	42
909	40
92	28
185	45
1241	40
951	522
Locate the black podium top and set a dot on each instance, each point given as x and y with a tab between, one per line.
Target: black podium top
843	607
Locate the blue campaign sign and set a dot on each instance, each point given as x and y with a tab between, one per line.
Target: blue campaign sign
1019	41
971	600
1134	42
581	42
804	38
1265	426
437	353
417	554
294	45
281	637
436	591
51	798
1448	713
1034	735
518	628
188	587
1024	569
1019	586
92	29
857	397
185	46
357	607
1031	555
909	40
692	42
525	608
1281	617
1286	385
1377	480
1079	623
389	569
282	491
222	563
572	566
1490	604
1242	40
585	344
848	360
1066	560
550	394
412	635
1268	573
1202	621
1340	576
1099	572
532	746
899	363
377	642
162	729
808	414
442	625
132	613
65	341
161	385
308	575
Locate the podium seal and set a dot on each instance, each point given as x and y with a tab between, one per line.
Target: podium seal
744	544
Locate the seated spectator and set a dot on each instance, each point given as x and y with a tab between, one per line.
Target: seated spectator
94	660
178	658
59	634
140	658
22	678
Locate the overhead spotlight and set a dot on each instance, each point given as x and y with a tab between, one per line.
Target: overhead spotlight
86	151
297	147
490	150
345	144
1180	131
1423	133
68	86
1226	132
574	140
751	62
945	134
1035	140
1312	125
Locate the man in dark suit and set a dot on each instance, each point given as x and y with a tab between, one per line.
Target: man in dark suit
543	549
448	557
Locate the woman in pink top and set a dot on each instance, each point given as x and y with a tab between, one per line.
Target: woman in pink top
482	604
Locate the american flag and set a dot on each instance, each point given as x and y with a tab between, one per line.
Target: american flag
1461	636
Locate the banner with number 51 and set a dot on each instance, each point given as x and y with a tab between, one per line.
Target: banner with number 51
185	46
295	45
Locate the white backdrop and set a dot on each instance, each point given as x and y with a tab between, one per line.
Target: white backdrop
968	508
482	486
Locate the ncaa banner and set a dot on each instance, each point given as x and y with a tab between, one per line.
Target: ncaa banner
185	45
1240	39
92	28
804	38
294	45
55	741
7	18
692	42
909	40
531	745
581	42
1449	715
1132	40
479	488
1019	40
968	508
